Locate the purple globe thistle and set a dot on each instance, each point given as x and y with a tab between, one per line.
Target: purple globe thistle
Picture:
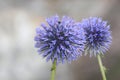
98	35
62	39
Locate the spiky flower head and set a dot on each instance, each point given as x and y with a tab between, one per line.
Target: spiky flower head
98	35
61	39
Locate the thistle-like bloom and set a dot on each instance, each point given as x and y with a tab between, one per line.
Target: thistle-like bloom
98	35
61	39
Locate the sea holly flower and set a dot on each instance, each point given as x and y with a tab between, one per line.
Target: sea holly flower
98	35
60	40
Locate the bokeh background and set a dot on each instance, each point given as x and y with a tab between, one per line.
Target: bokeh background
19	59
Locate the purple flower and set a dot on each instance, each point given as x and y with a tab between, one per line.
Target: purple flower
98	35
62	39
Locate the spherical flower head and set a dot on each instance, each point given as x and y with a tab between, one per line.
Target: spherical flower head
60	40
98	35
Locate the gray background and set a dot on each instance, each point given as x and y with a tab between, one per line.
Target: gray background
19	59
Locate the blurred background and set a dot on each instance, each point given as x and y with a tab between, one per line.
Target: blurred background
19	59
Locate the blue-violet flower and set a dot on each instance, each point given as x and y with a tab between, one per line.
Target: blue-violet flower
61	39
98	35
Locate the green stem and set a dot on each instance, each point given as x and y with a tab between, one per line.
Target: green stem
53	70
102	68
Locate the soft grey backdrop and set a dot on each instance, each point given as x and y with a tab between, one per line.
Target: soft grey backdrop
19	59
